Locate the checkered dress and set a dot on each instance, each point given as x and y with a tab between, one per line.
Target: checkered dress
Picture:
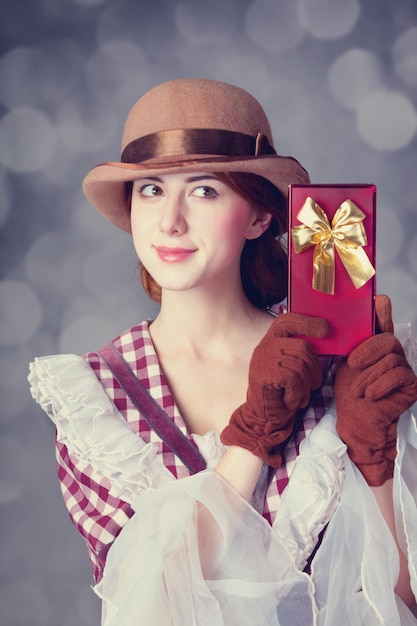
99	516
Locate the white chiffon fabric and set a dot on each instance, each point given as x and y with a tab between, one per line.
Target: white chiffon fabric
195	552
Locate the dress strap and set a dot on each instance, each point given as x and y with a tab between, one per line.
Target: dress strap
151	411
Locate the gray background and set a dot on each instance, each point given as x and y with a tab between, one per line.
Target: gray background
338	79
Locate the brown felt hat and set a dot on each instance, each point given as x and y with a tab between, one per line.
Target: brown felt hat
189	124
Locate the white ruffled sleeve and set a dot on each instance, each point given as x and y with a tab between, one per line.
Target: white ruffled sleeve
92	428
356	566
314	491
405	492
157	570
195	552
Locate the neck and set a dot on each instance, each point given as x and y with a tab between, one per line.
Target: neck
202	319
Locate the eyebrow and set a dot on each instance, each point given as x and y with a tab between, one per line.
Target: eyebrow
190	179
193	179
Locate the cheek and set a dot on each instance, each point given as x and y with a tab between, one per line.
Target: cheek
135	217
140	226
142	219
136	228
231	228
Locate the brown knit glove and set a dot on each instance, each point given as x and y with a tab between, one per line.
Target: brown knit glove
282	373
372	389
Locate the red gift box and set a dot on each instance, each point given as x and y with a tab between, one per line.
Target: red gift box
331	253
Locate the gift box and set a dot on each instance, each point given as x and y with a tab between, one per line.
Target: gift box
331	253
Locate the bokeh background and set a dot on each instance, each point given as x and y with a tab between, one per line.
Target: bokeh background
338	79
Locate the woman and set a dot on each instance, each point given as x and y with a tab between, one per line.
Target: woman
248	535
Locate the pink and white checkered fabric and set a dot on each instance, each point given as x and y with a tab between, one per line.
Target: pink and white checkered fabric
98	516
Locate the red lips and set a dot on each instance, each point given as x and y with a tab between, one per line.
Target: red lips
173	255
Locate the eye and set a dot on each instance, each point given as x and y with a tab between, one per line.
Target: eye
205	192
150	190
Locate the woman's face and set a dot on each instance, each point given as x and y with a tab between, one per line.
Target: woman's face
189	229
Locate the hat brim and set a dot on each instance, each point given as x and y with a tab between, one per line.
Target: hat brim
104	185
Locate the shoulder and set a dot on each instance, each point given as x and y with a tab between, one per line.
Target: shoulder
131	343
63	383
55	378
136	347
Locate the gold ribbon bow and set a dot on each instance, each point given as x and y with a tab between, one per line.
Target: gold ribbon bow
346	233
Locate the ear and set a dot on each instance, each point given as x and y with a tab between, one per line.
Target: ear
259	224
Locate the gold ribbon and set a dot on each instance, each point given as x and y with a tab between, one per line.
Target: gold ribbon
346	233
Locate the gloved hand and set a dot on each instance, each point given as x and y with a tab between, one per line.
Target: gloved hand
282	373
372	389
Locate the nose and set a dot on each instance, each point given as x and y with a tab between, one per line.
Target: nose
172	220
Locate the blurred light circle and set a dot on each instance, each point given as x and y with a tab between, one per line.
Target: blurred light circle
27	140
14	370
231	65
85	333
288	108
355	75
89	223
117	71
401	287
77	136
273	25
35	77
390	234
20	312
86	124
60	69
62	171
17	77
387	120
328	19
80	134
246	71
14	388
53	263
110	269
9	370
148	24
208	23
404	54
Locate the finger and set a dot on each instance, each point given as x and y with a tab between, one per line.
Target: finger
376	372
295	384
274	404
291	378
304	361
398	402
288	324
293	400
269	353
383	313
399	380
374	349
